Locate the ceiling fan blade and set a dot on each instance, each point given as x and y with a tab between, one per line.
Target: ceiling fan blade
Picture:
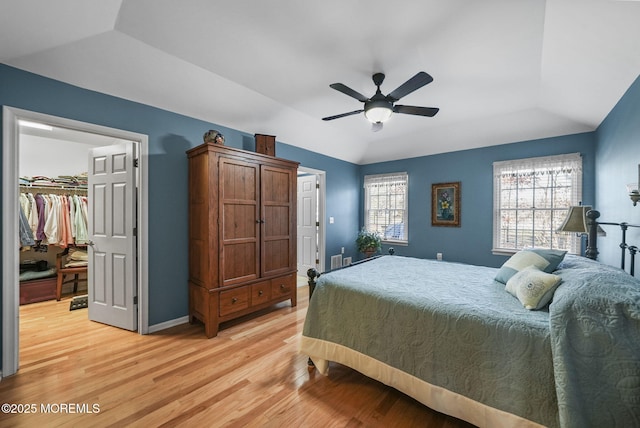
348	91
418	111
338	116
416	82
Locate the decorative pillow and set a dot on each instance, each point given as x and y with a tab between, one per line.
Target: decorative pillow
533	287
545	260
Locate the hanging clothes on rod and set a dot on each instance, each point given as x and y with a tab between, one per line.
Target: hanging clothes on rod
26	234
54	216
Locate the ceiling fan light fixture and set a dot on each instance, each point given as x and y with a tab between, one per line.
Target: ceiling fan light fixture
380	107
378	111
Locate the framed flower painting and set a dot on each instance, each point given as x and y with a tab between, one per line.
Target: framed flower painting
445	204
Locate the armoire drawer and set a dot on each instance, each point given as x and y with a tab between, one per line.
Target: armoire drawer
234	300
283	286
260	293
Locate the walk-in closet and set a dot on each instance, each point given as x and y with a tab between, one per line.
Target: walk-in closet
53	236
53	165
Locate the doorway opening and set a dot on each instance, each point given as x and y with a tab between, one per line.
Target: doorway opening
311	211
14	135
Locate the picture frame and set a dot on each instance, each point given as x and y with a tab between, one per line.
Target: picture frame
445	204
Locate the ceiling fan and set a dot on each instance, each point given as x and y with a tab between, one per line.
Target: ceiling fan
379	107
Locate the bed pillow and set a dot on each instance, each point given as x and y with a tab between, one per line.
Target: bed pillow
545	260
533	287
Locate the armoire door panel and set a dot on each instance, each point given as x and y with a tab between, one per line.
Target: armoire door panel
239	180
276	185
278	199
239	262
239	221
277	256
276	221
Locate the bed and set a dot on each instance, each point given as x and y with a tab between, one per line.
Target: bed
450	336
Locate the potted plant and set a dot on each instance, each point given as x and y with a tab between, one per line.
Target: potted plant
368	242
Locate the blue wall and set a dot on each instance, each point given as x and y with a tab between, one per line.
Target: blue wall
472	242
170	135
343	197
617	159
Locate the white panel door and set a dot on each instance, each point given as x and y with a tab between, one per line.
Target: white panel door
307	227
112	253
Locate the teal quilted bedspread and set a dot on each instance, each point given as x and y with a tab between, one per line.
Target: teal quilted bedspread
453	326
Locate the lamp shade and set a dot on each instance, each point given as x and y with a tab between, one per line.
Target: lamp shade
576	221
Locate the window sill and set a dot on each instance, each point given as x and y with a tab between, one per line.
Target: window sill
511	252
503	252
400	243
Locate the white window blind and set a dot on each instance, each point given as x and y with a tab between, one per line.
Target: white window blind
385	205
531	198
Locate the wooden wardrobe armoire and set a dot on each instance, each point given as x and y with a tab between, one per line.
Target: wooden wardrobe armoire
242	233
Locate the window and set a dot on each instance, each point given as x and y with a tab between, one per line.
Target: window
385	205
531	198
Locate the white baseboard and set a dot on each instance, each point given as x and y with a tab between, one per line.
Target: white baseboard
168	324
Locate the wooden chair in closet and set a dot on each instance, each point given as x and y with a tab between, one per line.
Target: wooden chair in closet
63	271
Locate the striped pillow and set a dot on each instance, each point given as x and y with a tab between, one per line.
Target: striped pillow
545	260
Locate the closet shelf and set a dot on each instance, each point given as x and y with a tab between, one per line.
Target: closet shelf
64	187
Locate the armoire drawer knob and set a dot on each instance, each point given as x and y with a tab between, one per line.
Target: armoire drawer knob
282	287
260	293
234	299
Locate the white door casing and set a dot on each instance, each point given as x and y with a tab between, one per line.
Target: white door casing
10	171
307	223
112	249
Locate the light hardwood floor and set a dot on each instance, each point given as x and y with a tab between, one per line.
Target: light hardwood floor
249	375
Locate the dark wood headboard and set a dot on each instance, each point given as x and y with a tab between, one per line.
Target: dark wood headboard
592	244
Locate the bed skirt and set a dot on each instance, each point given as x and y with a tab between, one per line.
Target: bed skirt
437	398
